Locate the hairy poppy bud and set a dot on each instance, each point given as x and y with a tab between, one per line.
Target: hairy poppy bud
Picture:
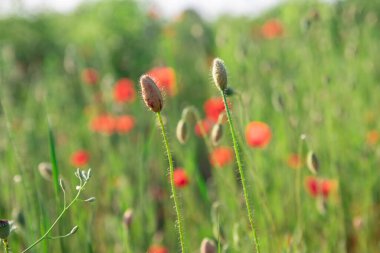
216	133
208	246
312	162
219	74
127	218
151	94
181	131
5	229
45	170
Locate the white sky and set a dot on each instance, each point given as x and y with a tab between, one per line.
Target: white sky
209	8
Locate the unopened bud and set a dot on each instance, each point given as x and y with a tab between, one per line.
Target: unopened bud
219	74
312	162
181	131
151	94
5	229
208	246
189	114
127	218
74	230
216	133
92	199
45	170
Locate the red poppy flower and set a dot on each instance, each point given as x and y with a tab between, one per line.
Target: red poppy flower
258	134
165	79
124	124
103	124
206	124
272	29
80	158
372	137
157	249
312	185
90	76
124	91
180	178
213	107
221	156
294	161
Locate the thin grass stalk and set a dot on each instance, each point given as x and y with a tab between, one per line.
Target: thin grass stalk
241	172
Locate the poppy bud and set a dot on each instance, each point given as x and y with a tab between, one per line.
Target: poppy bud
127	218
216	133
208	246
45	170
312	162
219	74
5	229
181	131
151	94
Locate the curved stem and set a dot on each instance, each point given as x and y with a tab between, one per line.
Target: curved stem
242	173
56	220
171	173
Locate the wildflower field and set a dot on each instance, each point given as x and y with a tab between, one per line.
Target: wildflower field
123	131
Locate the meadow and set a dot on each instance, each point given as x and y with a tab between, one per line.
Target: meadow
303	95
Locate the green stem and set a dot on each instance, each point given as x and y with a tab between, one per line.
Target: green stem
171	172
56	220
6	246
241	171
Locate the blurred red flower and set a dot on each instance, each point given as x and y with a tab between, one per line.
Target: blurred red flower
165	79
258	134
206	124
90	76
124	124
272	29
213	107
103	124
180	178
321	187
372	137
294	161
124	91
221	156
157	249
80	158
312	185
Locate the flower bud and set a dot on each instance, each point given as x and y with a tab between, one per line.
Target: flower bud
208	246
151	94
216	133
312	162
219	74
189	114
45	170
5	229
127	218
181	131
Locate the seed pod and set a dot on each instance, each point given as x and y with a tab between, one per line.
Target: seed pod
127	218
208	246
45	170
74	230
312	162
216	133
182	131
5	229
219	74
151	94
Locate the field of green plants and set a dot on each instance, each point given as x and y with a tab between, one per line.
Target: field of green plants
293	165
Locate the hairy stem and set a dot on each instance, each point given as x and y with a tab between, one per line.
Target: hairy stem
174	193
241	172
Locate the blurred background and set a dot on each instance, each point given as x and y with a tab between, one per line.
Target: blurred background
301	68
